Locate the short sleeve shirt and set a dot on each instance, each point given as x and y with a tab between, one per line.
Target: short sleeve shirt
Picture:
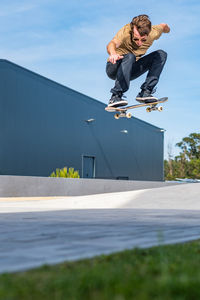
127	46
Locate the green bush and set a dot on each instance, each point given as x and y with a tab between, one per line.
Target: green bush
65	173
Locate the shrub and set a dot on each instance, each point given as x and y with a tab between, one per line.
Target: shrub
65	173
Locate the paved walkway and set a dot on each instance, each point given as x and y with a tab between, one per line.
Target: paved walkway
51	230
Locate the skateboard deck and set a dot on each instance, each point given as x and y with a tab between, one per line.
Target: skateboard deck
122	111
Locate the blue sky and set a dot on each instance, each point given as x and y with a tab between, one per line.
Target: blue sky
66	42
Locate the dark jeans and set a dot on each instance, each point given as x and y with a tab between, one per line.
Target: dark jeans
128	69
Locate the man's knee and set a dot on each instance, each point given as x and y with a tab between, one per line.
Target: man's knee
129	57
162	54
111	70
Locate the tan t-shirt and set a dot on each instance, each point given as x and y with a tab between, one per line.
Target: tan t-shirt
127	46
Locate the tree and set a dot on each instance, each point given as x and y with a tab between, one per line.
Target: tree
190	146
193	170
187	163
170	159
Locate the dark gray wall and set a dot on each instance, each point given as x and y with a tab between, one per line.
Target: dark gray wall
43	127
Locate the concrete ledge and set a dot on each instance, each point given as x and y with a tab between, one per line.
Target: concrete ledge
27	186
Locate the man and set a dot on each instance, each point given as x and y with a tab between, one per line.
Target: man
126	61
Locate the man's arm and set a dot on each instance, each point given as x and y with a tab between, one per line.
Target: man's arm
165	27
111	49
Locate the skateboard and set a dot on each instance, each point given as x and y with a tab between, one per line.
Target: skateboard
122	111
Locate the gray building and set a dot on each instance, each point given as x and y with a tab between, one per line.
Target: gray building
45	125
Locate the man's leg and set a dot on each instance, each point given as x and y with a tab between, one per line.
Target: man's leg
153	63
121	73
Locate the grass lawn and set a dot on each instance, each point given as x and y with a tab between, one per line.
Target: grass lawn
165	272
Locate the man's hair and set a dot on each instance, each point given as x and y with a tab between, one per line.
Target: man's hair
142	23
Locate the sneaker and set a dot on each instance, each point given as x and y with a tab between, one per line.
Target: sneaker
116	100
145	96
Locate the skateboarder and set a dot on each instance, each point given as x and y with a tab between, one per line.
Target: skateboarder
126	61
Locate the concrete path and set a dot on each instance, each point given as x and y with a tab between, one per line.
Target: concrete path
51	230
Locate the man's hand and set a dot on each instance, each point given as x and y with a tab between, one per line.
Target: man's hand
111	48
114	57
166	28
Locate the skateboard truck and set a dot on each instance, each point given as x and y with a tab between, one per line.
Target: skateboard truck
123	115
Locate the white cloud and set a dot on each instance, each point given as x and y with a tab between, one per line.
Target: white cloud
8	10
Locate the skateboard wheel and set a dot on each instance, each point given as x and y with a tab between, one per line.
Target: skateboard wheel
160	108
116	116
129	115
148	109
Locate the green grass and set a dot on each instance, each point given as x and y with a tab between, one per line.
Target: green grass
165	272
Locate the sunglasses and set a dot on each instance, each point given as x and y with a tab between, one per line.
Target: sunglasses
142	39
